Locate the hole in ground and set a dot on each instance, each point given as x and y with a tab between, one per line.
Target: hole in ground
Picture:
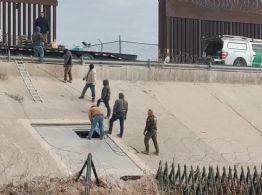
85	133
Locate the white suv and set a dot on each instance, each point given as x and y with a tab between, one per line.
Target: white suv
234	50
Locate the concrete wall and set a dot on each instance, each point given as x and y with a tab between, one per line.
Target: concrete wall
135	73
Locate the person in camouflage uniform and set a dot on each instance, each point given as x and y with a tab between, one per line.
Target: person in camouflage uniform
150	132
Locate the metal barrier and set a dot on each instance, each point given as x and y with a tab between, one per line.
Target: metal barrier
146	64
88	165
180	181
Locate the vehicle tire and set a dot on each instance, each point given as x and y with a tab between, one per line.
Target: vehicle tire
240	62
208	60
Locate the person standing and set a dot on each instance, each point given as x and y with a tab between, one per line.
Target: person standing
42	22
38	44
96	117
105	97
150	132
119	113
90	79
68	65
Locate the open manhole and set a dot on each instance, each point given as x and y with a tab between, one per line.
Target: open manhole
70	145
84	133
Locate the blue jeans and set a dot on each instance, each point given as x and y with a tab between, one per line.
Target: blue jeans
98	120
121	118
39	52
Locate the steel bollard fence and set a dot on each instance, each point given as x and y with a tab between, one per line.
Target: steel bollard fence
185	181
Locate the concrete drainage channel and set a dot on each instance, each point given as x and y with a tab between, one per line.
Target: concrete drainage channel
69	144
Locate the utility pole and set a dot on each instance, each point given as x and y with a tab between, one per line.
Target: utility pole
120	44
102	46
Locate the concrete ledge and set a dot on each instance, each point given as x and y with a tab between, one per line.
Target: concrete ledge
58	122
135	73
141	164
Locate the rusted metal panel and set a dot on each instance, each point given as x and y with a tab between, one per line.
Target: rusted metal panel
14	23
39	9
29	20
186	35
162	27
9	8
172	33
18	19
34	12
43	2
54	23
191	36
175	35
168	30
179	35
195	35
187	9
182	35
24	19
48	16
4	22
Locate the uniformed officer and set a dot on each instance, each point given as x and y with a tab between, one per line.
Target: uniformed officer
150	132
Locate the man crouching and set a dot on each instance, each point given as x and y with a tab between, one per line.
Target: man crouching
96	116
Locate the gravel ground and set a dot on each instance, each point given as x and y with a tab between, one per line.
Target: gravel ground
67	186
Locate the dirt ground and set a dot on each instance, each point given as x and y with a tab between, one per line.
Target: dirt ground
67	186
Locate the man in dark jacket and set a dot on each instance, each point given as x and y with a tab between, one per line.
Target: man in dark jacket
119	113
38	44
150	132
42	22
105	97
68	65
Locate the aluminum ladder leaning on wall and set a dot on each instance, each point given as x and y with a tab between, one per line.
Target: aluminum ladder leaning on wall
28	82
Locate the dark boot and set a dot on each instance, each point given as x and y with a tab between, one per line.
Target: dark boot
110	127
156	153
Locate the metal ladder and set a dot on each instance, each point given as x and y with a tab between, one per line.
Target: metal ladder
28	82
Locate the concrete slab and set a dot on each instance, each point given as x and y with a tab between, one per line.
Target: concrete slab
73	150
198	123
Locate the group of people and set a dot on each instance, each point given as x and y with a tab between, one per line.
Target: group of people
39	37
95	113
119	112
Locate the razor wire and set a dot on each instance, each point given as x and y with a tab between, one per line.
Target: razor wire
178	56
203	181
252	6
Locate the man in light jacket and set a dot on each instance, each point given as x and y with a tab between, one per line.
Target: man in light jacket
90	79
